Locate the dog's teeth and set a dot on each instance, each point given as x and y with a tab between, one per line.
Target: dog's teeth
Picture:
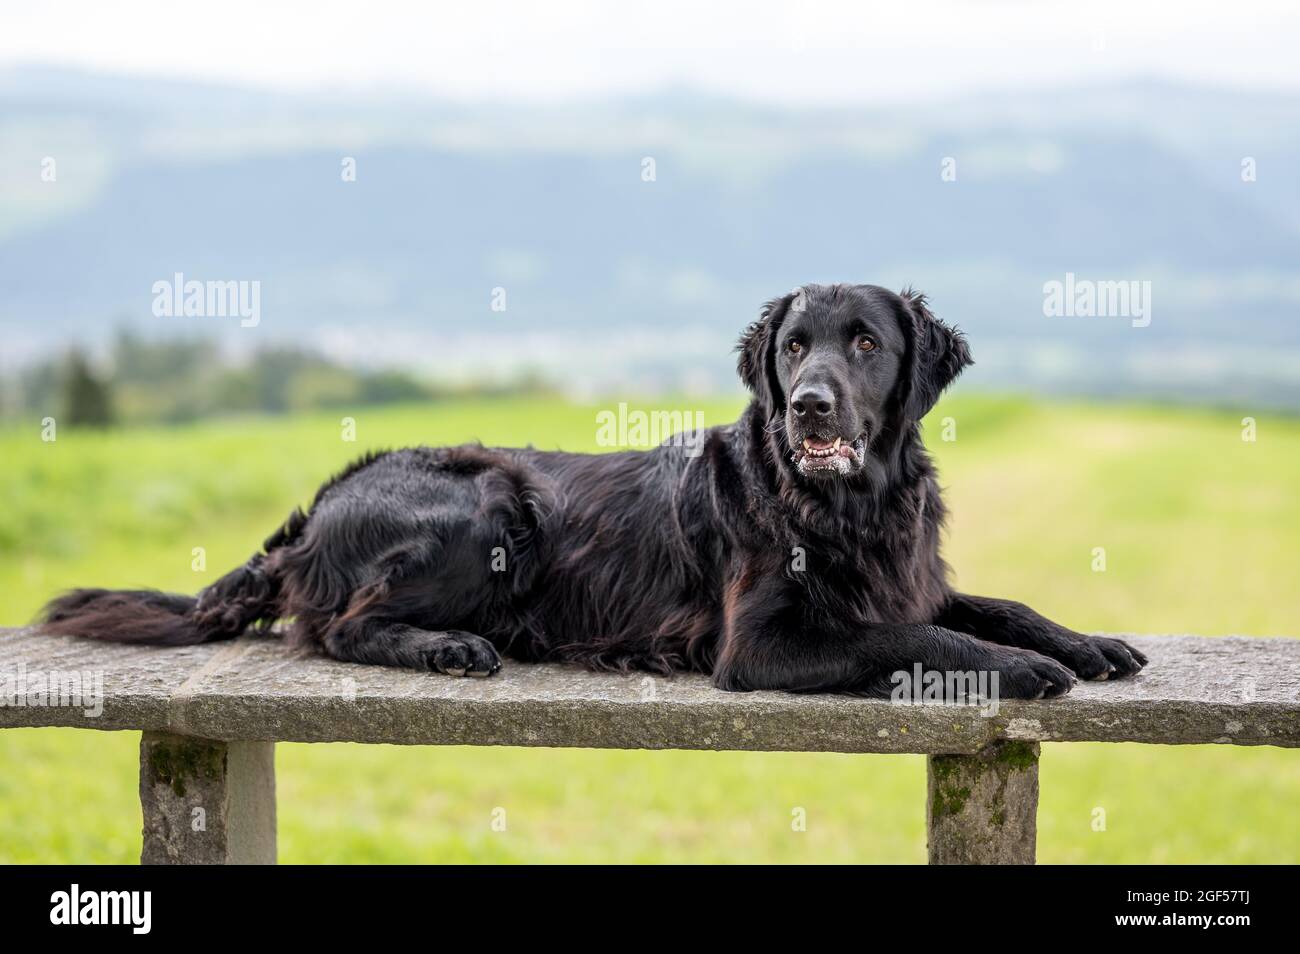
836	446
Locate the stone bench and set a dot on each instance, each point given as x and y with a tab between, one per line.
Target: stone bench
211	715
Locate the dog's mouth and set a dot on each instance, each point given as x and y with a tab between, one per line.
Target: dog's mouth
818	455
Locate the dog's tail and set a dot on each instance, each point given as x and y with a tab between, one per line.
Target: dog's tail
123	616
147	617
223	610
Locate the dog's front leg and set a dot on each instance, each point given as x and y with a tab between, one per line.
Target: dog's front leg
771	640
1013	624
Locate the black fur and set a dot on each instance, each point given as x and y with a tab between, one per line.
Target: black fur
766	561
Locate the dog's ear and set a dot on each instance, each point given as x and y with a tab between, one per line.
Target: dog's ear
757	353
938	355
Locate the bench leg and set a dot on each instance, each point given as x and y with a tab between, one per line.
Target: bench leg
206	802
983	809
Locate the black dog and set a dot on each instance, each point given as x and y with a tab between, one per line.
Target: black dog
796	549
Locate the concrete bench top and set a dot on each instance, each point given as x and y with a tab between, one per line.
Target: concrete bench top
1229	690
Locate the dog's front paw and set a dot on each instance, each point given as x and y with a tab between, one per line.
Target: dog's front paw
1099	657
1025	674
458	653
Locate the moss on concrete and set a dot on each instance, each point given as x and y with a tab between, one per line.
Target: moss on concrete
954	777
949	794
174	762
1016	755
949	800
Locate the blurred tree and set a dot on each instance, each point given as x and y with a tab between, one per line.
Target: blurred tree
387	387
151	362
86	401
184	379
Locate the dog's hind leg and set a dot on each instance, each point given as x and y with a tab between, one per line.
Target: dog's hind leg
385	642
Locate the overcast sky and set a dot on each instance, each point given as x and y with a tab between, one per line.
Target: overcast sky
804	52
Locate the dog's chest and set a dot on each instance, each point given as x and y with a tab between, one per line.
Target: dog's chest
889	575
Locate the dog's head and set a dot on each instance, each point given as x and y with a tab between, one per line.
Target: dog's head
836	366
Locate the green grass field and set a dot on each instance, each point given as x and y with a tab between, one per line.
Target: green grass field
1200	529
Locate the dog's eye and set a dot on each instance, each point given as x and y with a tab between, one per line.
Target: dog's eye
793	346
866	344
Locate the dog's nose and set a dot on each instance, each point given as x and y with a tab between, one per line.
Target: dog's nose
813	401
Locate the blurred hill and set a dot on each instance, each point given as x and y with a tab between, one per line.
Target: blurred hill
612	281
